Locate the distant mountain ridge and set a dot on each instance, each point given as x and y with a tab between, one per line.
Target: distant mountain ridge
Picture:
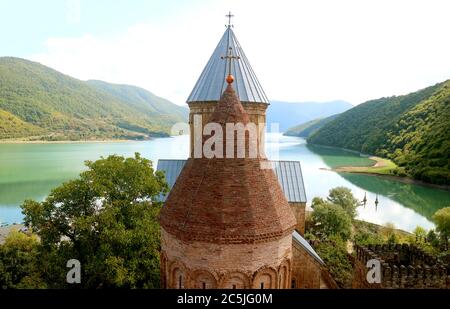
413	130
37	102
307	129
289	115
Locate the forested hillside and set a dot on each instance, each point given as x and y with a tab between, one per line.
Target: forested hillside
307	129
37	102
413	130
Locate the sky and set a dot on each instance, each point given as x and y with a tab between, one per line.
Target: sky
319	50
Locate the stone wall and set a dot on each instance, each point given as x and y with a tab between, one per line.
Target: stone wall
306	271
299	212
402	266
205	265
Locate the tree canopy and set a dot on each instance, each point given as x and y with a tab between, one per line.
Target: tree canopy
344	197
108	220
442	220
330	219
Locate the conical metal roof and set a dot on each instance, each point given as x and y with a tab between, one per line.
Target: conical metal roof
212	84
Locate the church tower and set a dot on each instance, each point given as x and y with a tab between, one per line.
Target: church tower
226	222
211	85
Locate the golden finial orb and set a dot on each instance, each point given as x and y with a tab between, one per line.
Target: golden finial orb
230	79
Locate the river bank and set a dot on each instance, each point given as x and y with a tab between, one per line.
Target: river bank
380	166
383	168
66	142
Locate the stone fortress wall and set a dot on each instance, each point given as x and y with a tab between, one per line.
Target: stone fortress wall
402	267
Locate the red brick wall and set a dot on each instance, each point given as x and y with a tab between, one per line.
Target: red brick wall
225	265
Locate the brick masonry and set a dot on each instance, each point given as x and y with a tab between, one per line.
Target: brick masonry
211	265
299	212
226	222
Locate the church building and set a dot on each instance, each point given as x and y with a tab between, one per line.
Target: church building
229	222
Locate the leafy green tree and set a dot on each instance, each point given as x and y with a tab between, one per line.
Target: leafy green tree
420	233
389	232
106	219
392	239
442	220
19	262
433	239
366	234
334	253
343	197
330	220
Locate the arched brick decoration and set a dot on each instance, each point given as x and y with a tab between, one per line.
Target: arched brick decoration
163	264
266	278
178	276
236	280
203	279
284	275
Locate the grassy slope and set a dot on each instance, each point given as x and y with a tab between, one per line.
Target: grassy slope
144	101
13	127
381	167
60	107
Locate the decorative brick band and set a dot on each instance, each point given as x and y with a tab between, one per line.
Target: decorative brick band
233	239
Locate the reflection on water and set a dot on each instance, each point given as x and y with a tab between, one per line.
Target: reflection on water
423	200
31	171
405	205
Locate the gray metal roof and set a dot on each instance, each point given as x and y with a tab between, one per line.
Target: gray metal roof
305	245
211	83
289	174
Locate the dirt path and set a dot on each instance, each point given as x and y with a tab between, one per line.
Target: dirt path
379	162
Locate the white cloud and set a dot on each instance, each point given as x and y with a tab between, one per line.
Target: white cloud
300	50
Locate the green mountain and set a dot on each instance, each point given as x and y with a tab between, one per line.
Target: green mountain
39	103
413	130
307	129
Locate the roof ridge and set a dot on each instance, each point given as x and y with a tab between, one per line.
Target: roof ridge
211	83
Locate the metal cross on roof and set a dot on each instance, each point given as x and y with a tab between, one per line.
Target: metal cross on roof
229	16
230	57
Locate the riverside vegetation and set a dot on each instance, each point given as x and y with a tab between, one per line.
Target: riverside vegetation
412	130
333	229
107	219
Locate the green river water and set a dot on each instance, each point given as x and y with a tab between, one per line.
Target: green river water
30	171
